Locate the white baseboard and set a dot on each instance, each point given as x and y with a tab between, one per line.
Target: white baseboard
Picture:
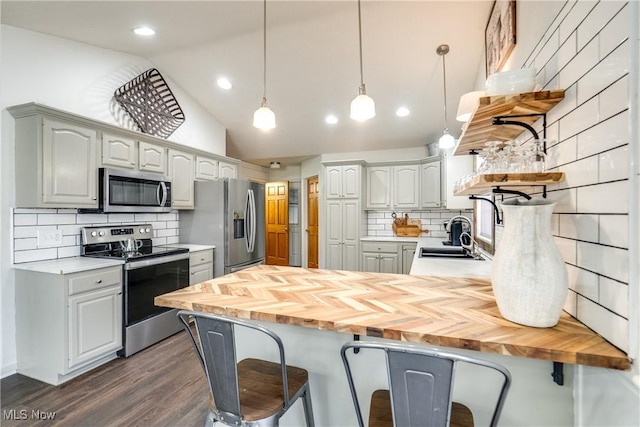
9	369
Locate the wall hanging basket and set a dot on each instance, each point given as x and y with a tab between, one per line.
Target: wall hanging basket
151	104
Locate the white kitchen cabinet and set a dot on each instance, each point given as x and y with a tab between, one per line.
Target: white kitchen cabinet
343	181
67	324
343	234
431	186
119	151
407	251
380	257
200	266
56	163
393	187
152	158
227	170
181	172
206	168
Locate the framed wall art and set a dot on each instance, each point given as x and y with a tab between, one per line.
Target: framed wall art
500	34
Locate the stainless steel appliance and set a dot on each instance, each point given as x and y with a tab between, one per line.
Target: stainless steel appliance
148	271
132	191
229	214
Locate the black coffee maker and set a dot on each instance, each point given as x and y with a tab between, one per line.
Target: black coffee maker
455	230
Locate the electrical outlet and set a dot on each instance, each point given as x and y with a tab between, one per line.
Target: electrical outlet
49	239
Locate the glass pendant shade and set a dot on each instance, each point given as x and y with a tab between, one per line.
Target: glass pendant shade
264	118
362	107
446	140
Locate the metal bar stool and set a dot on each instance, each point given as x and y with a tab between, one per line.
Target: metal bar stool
420	387
251	392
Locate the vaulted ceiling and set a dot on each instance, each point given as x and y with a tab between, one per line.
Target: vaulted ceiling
312	63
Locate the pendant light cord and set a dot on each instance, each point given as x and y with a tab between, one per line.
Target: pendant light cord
264	55
444	79
360	39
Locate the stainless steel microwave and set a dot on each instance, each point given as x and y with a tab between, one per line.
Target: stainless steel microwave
132	191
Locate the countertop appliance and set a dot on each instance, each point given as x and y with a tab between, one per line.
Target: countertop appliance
132	191
229	214
148	271
455	227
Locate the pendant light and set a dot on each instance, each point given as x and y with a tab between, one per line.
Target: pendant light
362	107
446	140
264	118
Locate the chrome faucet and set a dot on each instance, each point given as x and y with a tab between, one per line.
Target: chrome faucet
459	217
472	246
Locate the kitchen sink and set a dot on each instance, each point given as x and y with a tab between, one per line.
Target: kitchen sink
449	252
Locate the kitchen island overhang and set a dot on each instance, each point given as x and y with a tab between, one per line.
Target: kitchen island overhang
444	311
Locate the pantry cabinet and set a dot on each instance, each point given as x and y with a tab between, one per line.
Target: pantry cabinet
343	234
67	323
200	266
181	172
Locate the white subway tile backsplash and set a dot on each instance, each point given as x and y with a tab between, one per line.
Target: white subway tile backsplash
547	57
70	240
616	32
166	232
23	232
614	165
171	216
614	296
120	217
604	322
596	20
97	219
567	249
604	260
566	200
581	172
567	51
612	100
69	251
562	153
159	241
145	217
25	219
71	230
25	244
586	115
579	227
55	219
35	255
610	197
583	282
564	107
172	240
32	211
579	65
578	13
608	134
614	230
570	305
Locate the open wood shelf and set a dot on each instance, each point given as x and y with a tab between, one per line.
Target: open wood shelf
484	183
480	128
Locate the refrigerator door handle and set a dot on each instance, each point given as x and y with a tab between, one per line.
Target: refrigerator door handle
252	219
247	220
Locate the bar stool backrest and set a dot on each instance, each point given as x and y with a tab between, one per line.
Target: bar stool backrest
420	383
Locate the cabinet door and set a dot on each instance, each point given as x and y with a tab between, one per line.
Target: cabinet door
95	324
430	194
227	170
406	186
69	163
351	181
153	158
334	234
118	151
200	273
370	262
206	168
378	187
351	235
388	263
408	252
181	171
333	184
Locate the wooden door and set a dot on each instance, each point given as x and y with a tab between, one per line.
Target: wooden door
277	216
312	222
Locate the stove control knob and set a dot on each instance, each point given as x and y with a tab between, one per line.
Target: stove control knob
101	233
148	230
142	230
94	233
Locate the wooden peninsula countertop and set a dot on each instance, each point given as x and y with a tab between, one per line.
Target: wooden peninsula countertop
445	311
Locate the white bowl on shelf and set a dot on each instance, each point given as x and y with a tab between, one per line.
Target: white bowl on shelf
516	81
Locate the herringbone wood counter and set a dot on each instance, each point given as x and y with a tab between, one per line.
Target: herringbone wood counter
445	311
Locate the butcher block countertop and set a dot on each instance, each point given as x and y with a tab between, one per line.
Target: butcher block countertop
445	311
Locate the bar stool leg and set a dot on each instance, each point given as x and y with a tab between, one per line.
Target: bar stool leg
308	410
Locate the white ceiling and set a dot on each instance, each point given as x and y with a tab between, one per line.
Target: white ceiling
312	63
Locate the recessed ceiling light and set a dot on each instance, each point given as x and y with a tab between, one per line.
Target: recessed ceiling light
224	83
331	119
144	31
402	112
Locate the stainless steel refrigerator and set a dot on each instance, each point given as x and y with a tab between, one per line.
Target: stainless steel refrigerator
229	214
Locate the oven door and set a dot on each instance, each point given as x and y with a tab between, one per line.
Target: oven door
146	279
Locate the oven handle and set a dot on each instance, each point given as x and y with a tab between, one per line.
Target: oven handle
133	265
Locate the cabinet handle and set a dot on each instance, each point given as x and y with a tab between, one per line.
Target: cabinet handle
202	259
133	163
193	272
99	281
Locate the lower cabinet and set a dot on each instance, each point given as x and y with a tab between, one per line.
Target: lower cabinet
200	266
343	234
380	257
67	324
407	251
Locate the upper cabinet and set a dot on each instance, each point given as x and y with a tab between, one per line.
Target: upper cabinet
431	188
153	158
181	171
227	170
480	128
206	168
343	181
56	163
119	151
393	187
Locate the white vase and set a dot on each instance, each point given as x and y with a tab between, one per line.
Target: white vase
528	274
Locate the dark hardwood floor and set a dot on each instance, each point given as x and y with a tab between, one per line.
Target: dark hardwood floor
163	385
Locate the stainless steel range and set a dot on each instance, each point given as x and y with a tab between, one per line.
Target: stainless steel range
148	271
